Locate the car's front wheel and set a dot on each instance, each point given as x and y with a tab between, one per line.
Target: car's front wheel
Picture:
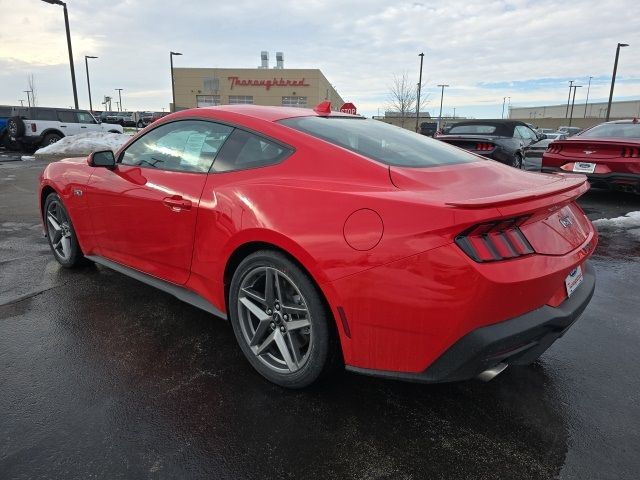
60	233
280	320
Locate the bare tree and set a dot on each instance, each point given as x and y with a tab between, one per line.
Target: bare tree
402	98
34	91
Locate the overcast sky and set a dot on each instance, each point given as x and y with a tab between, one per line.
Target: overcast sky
485	50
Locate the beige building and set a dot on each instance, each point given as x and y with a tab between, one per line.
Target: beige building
290	87
584	116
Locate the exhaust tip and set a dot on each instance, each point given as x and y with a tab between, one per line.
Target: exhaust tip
491	373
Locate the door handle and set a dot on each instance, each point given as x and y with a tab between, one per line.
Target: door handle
83	127
177	203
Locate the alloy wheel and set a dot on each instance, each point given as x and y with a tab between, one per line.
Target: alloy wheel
275	319
59	230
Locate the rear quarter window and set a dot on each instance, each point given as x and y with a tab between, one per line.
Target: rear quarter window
381	142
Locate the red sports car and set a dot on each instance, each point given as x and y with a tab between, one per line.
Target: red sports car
331	239
609	154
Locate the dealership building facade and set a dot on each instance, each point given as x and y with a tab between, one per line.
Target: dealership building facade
292	87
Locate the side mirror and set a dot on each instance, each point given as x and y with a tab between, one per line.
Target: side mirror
104	158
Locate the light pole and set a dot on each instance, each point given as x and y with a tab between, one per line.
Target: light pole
120	97
613	78
442	86
86	65
21	102
586	102
28	99
566	115
504	100
575	87
421	55
454	113
173	87
66	25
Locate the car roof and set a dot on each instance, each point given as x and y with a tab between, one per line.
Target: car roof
270	114
627	120
503	127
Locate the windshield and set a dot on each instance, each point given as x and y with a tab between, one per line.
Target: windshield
379	141
616	130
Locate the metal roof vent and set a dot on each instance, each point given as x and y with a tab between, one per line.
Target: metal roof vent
264	59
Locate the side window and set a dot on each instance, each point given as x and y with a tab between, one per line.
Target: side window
67	117
85	117
44	114
188	146
245	150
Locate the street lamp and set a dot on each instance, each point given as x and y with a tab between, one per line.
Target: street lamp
586	102
66	25
575	87
421	55
28	99
566	114
173	87
504	100
120	97
442	86
613	78
86	65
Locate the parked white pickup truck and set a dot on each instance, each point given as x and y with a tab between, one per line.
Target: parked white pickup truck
40	126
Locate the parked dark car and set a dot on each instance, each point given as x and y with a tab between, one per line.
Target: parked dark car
506	141
428	128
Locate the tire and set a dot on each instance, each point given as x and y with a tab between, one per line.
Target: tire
264	324
15	127
140	124
516	162
50	139
60	232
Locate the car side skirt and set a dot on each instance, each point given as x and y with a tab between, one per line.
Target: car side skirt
177	291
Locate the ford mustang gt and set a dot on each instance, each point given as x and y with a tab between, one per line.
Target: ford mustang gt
329	239
609	154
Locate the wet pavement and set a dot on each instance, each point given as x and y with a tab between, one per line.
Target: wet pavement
104	377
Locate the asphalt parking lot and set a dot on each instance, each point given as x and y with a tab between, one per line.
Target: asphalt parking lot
104	377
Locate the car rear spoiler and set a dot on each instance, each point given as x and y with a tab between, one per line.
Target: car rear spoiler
566	183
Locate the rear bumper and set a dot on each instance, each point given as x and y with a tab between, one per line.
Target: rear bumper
517	341
614	180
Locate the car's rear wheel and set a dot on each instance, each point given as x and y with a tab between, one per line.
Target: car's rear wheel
50	139
280	320
517	161
60	233
140	124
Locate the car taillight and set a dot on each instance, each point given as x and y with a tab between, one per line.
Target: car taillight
33	127
484	146
631	152
494	241
554	148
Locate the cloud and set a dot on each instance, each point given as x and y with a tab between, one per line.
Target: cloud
485	50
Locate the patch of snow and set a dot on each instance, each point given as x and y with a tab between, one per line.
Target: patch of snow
27	158
628	221
85	143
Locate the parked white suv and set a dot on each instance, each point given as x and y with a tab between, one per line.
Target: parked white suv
39	126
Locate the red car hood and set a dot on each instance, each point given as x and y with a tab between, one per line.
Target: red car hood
482	184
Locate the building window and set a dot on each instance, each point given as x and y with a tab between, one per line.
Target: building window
294	102
237	99
211	85
207	100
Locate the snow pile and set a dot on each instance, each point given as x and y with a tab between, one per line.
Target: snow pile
84	143
629	221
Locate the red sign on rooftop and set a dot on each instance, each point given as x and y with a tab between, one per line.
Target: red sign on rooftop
348	108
